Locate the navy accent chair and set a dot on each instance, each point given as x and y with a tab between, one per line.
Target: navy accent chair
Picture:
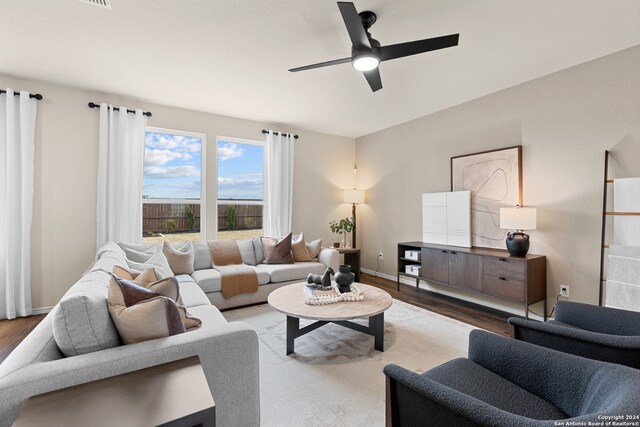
600	333
506	382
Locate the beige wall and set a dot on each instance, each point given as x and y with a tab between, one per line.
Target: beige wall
564	122
63	232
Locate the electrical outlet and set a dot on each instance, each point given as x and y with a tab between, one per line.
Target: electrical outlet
380	257
564	291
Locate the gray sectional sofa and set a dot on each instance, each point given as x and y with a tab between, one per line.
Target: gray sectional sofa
228	351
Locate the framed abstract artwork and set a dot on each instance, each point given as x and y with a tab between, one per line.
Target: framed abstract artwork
495	181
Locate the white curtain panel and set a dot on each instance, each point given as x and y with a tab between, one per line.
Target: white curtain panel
17	146
278	200
120	169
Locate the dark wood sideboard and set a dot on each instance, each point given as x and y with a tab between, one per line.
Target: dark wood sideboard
491	272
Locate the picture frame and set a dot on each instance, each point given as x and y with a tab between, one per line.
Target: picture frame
494	178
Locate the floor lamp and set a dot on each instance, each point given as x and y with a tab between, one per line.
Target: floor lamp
354	197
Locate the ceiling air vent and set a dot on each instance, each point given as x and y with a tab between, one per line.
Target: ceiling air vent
106	4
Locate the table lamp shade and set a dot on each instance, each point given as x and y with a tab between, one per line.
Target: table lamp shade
518	218
354	196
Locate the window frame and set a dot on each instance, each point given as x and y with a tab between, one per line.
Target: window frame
217	201
203	174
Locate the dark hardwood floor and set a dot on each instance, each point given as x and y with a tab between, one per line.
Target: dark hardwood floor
12	332
473	314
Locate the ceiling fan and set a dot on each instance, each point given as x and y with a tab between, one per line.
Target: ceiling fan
366	52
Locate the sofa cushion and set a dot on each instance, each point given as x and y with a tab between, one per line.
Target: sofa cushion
81	323
141	314
201	255
246	251
180	257
277	251
210	280
192	296
286	272
474	380
210	316
299	250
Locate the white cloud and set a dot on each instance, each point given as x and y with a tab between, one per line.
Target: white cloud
158	157
171	171
229	151
165	141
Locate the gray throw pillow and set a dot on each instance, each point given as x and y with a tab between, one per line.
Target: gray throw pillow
314	248
258	249
246	251
180	257
157	261
82	324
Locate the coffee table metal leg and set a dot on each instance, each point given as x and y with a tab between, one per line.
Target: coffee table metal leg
293	326
376	326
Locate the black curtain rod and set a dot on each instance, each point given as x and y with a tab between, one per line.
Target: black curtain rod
94	105
31	95
264	131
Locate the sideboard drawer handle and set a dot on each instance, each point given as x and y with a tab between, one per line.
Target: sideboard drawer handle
501	259
502	278
444	252
453	253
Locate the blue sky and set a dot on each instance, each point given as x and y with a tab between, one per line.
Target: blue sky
172	168
240	171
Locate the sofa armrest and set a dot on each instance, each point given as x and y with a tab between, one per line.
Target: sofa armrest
228	354
330	258
594	318
415	400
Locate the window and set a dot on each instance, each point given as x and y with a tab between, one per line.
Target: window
240	188
173	186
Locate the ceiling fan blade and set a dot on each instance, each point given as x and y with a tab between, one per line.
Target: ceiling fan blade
374	79
321	64
419	46
352	20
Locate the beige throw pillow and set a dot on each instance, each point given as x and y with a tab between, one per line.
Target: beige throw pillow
180	257
141	314
277	251
299	250
168	287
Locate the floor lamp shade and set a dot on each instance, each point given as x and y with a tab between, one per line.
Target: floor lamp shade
518	219
354	197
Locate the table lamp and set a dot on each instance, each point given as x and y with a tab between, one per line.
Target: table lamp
517	219
354	197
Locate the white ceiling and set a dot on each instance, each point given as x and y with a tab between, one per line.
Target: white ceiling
231	57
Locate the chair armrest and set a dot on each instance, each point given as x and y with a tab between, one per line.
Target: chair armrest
559	378
594	318
330	258
228	355
414	400
587	336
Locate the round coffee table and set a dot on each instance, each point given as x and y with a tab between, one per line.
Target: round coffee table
289	300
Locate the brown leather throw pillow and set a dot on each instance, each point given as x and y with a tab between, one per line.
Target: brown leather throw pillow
277	251
141	314
167	286
299	250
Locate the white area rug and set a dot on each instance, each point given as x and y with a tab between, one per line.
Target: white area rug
335	377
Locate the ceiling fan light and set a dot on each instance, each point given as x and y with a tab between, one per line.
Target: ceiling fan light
365	62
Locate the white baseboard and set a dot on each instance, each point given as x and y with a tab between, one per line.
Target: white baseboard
485	301
41	310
